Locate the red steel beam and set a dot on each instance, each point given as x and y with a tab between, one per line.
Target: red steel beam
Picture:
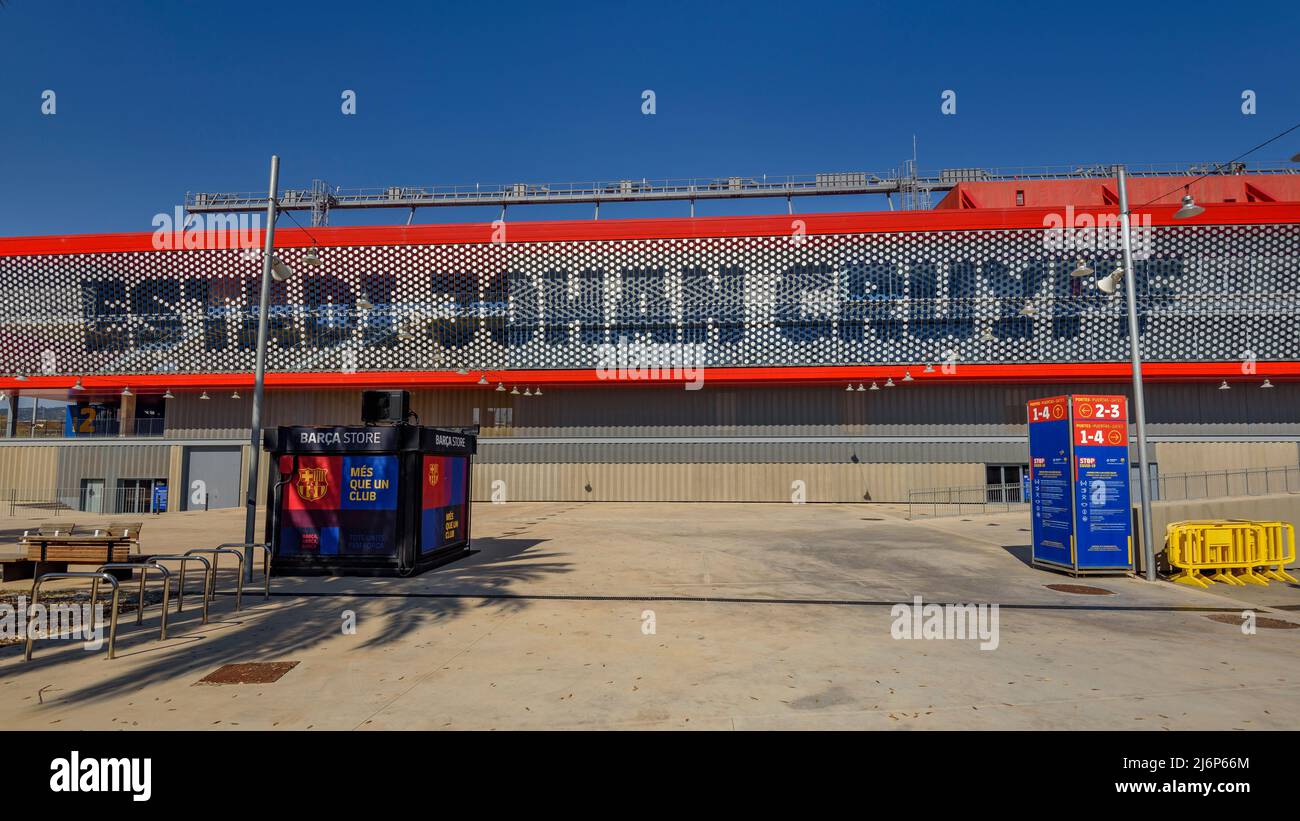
1256	213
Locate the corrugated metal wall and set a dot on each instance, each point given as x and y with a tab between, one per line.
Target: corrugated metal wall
112	462
34	467
221	417
733	443
621	410
714	482
505	451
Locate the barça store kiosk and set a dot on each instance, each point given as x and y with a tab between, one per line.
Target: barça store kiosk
368	501
1079	484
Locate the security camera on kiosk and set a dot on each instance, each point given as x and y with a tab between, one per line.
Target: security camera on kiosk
385	407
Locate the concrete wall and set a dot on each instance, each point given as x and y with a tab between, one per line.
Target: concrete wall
1280	507
1284	507
1199	457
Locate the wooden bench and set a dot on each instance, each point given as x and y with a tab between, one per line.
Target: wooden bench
52	529
77	549
54	546
122	530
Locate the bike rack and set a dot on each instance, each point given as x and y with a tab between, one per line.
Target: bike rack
144	568
112	621
266	562
180	587
216	557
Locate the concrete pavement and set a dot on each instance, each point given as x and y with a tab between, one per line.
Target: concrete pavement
714	616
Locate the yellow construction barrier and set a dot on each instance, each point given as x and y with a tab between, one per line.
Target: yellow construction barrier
1219	545
1279	550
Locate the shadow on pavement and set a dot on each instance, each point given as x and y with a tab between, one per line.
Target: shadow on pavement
273	630
1023	552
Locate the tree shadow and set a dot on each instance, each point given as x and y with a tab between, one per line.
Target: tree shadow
302	613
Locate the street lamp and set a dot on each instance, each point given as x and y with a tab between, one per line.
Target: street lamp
1109	284
280	272
272	267
1139	401
1190	208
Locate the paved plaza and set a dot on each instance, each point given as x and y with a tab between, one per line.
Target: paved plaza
706	616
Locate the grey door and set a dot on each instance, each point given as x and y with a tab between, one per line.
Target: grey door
211	478
92	495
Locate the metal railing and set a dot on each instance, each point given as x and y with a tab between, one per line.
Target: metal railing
98	577
266	562
1219	484
144	568
180	584
956	501
40	504
150	564
322	197
1167	487
102	574
147	427
216	553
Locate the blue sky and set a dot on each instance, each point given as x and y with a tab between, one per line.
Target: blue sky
157	98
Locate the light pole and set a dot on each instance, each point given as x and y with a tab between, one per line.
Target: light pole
1139	401
250	502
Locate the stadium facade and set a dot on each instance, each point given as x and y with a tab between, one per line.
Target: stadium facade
857	356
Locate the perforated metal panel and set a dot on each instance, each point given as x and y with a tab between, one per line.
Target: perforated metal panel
1205	293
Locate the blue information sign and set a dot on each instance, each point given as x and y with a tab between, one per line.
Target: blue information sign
1079	476
160	498
1050	481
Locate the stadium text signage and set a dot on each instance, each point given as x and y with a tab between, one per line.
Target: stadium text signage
1004	295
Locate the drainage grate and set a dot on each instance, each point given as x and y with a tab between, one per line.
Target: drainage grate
1260	621
253	672
1081	589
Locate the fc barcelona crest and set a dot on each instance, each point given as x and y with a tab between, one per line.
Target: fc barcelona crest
313	483
433	474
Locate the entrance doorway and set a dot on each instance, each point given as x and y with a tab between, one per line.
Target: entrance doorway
1004	482
91	497
136	495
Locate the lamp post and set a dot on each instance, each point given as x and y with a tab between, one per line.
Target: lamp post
259	374
1139	401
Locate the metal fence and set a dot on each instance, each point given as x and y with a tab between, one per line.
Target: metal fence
61	502
1167	487
956	501
1176	487
101	428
